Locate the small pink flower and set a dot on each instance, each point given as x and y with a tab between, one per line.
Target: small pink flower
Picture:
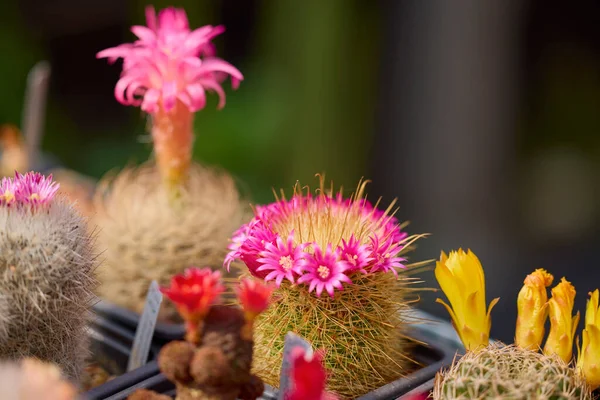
284	260
254	297
308	377
237	240
254	239
7	192
385	254
357	254
165	66
325	271
34	188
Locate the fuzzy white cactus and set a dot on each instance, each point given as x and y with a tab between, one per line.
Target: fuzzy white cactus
47	274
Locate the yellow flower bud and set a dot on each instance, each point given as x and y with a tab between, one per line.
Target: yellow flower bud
532	305
588	361
562	323
461	278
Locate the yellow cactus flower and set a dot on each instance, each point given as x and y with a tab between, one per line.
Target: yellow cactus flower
461	278
532	305
588	360
562	323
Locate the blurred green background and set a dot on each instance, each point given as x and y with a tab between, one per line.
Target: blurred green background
304	106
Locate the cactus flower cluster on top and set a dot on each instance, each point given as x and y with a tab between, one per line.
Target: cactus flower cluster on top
319	241
31	188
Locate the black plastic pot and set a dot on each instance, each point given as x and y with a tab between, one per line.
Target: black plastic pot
163	332
435	355
149	377
111	346
424	389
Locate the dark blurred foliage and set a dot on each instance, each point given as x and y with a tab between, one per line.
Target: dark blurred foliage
482	117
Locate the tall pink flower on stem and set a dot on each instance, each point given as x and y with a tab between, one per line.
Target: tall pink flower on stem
321	240
167	73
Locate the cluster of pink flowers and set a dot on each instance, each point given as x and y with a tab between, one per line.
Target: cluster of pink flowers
170	63
31	188
318	240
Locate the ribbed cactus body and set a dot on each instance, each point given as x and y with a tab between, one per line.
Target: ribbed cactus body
46	284
149	236
509	372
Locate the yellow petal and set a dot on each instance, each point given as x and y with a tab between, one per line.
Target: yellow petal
461	278
452	288
562	324
457	325
592	311
489	312
532	309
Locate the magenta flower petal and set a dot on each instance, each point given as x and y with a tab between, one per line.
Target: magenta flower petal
283	259
145	34
197	95
169	95
324	270
151	17
356	254
150	102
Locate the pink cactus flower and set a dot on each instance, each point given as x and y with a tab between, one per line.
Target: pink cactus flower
325	271
7	192
321	240
356	254
282	259
167	73
34	188
169	62
308	377
254	296
247	245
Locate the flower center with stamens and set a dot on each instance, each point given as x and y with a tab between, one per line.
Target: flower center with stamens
352	259
286	262
8	196
323	271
